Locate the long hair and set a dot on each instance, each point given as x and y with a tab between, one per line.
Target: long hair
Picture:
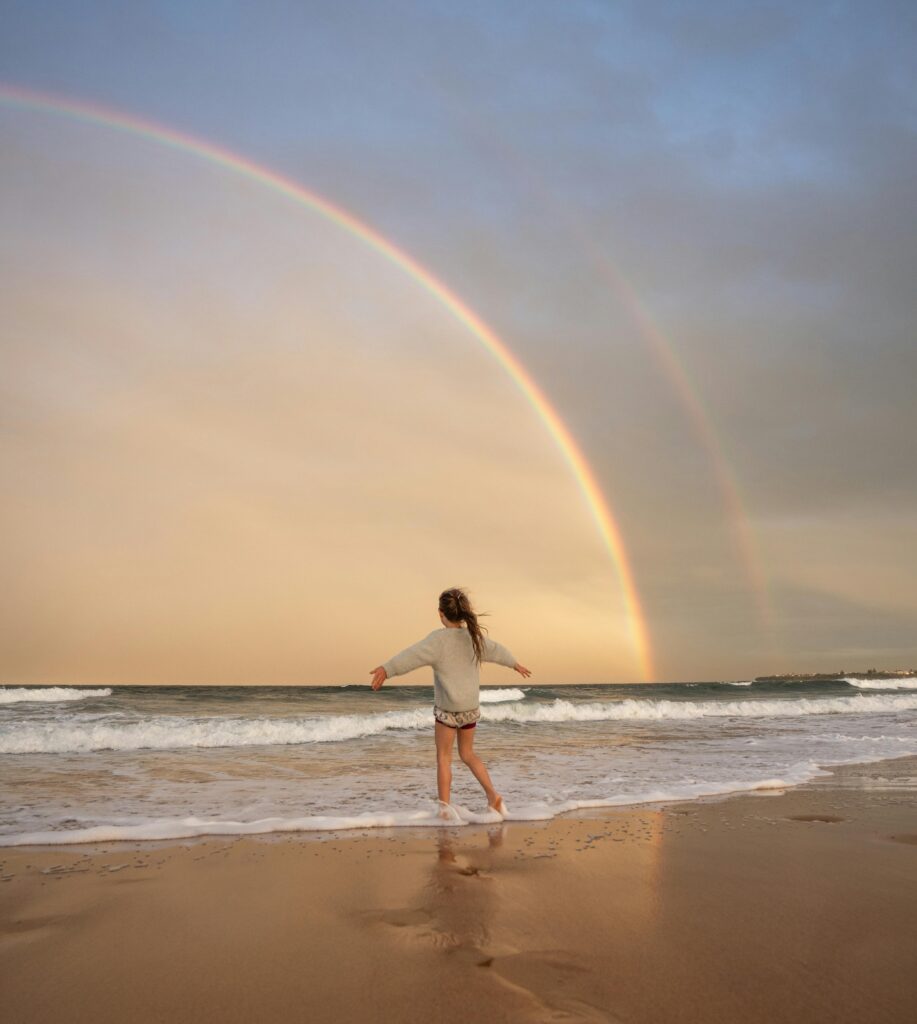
456	606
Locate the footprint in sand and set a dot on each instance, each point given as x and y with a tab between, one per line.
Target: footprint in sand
831	818
402	917
25	930
556	983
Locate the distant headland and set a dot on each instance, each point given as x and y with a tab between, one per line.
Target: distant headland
869	673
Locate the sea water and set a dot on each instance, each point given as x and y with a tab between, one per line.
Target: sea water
132	762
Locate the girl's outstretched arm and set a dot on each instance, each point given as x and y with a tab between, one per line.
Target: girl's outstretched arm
502	656
424	652
497	653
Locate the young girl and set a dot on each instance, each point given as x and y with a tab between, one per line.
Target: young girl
455	652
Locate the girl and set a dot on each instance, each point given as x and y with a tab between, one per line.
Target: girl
455	652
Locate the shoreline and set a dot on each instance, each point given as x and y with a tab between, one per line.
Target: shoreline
794	904
410	824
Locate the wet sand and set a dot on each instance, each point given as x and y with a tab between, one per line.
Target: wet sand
796	905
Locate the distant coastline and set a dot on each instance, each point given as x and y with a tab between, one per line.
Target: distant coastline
869	673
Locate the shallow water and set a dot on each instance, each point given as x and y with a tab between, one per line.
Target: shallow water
160	762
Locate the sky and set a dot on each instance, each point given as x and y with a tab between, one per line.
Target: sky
241	445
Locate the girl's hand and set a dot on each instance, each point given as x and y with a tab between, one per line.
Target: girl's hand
379	677
522	670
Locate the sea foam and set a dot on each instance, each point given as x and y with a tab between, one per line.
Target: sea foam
16	695
896	683
561	710
188	827
169	732
491	696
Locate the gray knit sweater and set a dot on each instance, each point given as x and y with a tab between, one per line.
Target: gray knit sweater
450	651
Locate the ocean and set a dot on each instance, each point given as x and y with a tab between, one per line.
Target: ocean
140	762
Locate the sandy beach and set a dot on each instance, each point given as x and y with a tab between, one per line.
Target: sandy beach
795	905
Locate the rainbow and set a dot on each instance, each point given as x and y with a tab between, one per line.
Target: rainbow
28	99
702	423
668	363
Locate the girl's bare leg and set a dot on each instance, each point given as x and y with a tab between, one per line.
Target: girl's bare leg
445	737
477	766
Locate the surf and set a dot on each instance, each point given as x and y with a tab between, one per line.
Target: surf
896	683
426	817
17	695
170	732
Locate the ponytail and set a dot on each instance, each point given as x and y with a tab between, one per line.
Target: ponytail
456	606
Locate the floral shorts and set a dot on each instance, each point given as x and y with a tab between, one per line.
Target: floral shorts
457	719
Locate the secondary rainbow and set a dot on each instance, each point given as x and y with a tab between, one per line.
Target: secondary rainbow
672	367
16	96
664	354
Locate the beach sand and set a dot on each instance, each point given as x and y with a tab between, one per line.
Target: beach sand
796	905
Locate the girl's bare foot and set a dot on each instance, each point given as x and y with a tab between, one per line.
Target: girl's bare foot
445	811
498	806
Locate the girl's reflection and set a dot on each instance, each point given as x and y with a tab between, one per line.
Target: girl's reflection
461	895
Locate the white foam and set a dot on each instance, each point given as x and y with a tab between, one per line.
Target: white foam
489	696
16	695
184	828
164	732
896	683
174	732
746	682
682	710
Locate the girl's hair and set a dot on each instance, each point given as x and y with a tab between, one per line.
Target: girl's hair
456	606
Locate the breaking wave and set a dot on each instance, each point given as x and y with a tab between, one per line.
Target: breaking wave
488	696
15	695
897	683
164	732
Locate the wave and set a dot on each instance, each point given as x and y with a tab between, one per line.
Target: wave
488	696
683	710
896	683
747	682
184	828
15	695
164	732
